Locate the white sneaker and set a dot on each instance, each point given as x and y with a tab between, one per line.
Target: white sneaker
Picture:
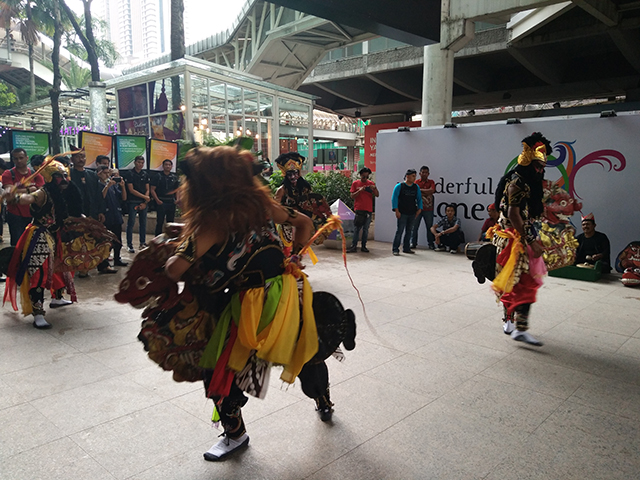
59	302
40	323
525	337
508	326
226	446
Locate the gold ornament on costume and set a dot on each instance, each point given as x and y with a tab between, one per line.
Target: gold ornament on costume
529	154
289	161
559	246
52	167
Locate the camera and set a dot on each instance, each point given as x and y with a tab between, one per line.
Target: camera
368	189
117	179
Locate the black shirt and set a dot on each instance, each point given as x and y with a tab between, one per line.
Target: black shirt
408	199
139	180
165	184
598	243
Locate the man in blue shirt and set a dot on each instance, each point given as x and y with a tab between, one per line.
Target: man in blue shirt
450	236
406	202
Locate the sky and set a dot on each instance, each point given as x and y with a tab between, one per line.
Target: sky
208	17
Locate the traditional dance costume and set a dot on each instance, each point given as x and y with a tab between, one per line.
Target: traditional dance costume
244	308
51	248
300	197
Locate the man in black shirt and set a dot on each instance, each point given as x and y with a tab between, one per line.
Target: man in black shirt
163	189
138	195
89	186
406	202
593	246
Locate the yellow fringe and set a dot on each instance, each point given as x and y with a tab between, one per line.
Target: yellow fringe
505	281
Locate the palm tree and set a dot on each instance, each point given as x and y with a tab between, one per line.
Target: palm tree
177	47
29	33
8	13
86	37
54	93
77	77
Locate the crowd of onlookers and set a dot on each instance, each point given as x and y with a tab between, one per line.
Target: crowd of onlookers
412	202
106	195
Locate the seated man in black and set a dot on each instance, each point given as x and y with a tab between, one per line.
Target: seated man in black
592	245
450	235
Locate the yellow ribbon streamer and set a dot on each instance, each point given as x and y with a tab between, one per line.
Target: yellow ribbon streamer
505	281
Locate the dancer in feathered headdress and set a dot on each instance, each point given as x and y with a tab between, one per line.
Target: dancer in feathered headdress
42	260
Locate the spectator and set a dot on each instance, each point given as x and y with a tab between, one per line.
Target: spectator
138	198
114	193
3	167
102	160
406	202
163	191
91	195
593	246
450	235
36	161
89	186
19	216
489	222
362	191
427	189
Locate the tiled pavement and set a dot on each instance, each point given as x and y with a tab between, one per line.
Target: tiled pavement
434	389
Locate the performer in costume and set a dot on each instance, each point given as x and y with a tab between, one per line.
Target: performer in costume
52	245
244	306
295	192
518	251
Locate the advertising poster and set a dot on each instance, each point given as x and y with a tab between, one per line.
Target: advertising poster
159	151
595	161
34	143
371	140
96	144
128	147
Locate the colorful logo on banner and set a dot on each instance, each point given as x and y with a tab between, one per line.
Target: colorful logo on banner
128	148
611	159
34	143
96	144
161	151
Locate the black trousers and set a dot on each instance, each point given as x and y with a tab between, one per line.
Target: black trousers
116	229
165	212
314	379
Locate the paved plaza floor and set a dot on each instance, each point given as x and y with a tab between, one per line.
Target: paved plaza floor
433	390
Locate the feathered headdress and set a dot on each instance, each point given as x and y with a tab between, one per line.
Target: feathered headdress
52	167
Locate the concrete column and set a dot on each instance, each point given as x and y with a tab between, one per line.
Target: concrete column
98	105
437	86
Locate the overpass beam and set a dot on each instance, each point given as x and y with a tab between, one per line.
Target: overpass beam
437	80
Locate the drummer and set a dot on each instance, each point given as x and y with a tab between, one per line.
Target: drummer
489	222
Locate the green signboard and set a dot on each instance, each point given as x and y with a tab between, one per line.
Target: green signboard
34	143
128	147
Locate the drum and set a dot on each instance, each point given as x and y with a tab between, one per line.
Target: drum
470	249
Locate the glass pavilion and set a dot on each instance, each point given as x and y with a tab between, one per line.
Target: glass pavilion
191	99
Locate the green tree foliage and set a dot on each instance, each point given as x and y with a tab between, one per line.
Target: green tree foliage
332	185
24	93
105	49
77	77
7	97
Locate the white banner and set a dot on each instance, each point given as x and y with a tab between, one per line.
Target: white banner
597	160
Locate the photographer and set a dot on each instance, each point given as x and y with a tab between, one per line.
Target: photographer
114	193
362	191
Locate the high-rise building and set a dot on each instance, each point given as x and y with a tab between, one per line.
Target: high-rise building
138	28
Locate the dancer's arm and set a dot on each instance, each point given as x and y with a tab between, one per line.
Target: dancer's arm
302	223
177	264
